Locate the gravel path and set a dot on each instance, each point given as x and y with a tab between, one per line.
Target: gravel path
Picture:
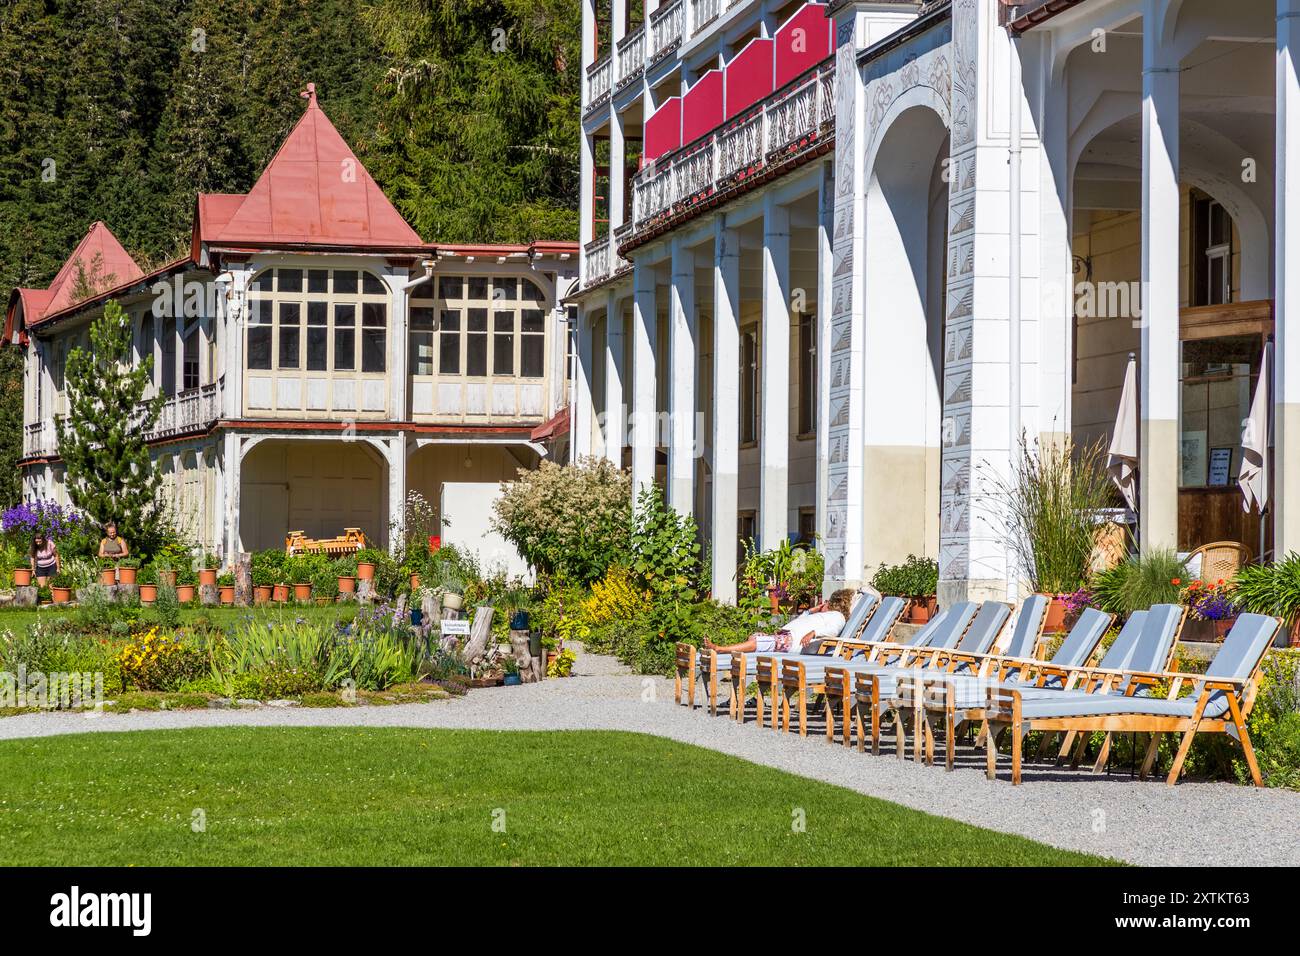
1116	816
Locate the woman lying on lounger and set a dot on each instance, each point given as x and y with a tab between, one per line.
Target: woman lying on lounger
825	620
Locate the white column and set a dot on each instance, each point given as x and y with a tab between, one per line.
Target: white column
615	414
681	381
586	201
644	378
726	402
398	342
1285	501
825	277
232	453
396	490
1159	461
617	162
583	410
774	451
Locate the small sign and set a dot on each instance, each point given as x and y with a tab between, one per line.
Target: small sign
1220	467
460	628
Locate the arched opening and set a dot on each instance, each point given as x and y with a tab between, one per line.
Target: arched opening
905	301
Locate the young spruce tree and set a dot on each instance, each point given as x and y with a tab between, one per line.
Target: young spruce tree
101	440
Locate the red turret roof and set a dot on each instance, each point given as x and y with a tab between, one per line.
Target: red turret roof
103	261
313	192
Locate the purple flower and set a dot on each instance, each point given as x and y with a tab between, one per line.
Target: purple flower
40	517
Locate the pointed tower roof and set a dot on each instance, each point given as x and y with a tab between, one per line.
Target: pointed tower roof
316	192
100	252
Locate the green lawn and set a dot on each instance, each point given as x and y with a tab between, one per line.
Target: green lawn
398	796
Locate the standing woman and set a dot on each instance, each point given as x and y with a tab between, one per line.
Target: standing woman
44	559
112	546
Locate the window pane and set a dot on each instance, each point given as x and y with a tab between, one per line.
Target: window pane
503	354
190	360
449	352
288	280
372	349
318	280
259	347
478	287
370	284
450	287
345	282
503	322
261	282
534	320
531	291
421	353
169	357
478	320
259	312
318	313
317	348
422	318
476	353
531	352
345	349
374	315
505	290
290	334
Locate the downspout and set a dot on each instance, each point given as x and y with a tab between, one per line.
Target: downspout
1014	268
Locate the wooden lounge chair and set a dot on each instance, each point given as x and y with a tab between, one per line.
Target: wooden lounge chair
759	667
1219	702
967	628
1146	643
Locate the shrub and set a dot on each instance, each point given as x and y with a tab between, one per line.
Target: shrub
567	520
665	547
167	608
1139	582
613	597
159	661
1269	588
561	665
915	577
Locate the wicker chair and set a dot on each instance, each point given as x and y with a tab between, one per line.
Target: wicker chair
1220	560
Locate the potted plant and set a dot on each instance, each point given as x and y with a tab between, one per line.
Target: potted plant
185	584
61	586
43	595
107	572
127	570
1210	608
916	579
166	572
148	579
345	573
226	588
324	583
453	597
22	577
511	667
1271	589
208	571
367	560
263	584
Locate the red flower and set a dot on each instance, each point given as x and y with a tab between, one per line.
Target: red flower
1176	581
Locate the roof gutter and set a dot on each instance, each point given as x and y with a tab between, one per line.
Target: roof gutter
1039	15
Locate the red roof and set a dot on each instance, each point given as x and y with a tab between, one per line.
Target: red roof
101	258
313	192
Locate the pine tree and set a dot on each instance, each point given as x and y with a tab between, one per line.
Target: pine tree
110	474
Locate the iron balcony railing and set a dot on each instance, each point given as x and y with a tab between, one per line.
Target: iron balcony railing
666	27
794	120
600	82
631	57
600	258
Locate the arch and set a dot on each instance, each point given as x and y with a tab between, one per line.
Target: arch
918	96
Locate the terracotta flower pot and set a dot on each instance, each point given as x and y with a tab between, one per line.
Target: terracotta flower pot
415	582
61	595
773	600
208	576
922	609
126	575
148	593
22	577
108	576
185	593
365	571
227	594
347	585
280	593
262	593
302	592
1055	622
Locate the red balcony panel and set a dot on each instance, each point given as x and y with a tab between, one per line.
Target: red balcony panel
802	42
702	106
749	76
663	130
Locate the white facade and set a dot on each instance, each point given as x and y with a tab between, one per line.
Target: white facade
1017	197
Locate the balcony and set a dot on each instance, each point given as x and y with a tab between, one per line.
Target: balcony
631	57
666	27
789	127
600	258
704	12
600	83
194	410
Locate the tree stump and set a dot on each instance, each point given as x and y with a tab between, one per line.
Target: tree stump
244	580
125	593
530	668
209	594
366	591
26	596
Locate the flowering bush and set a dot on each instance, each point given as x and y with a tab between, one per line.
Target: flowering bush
154	661
24	522
613	597
1208	602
